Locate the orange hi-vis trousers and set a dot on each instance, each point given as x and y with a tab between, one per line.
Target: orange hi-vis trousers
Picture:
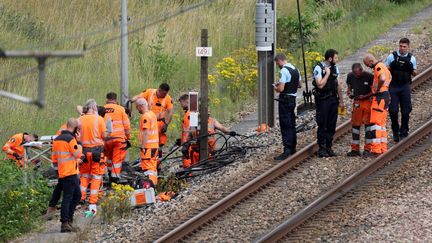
149	162
193	154
115	154
91	172
360	115
378	120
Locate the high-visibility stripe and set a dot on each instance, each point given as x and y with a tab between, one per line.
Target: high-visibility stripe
83	188
93	192
355	142
118	130
149	132
375	128
356	131
148	172
97	177
119	165
153	141
376	140
60	153
63	160
117	122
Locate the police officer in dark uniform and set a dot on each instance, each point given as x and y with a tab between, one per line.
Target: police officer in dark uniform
402	65
287	89
328	96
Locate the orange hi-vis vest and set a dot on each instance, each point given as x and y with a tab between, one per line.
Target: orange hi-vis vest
157	105
15	145
65	152
120	120
185	127
148	126
380	68
92	129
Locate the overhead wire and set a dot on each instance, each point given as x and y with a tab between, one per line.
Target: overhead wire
163	18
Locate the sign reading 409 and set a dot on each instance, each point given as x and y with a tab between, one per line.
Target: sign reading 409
204	51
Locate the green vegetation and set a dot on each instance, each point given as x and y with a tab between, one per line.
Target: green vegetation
20	206
163	52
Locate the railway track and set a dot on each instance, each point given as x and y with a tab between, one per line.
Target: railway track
258	192
339	190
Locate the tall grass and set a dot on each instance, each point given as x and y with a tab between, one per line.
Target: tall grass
28	23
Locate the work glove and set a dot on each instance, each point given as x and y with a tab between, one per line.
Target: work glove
178	142
232	133
17	157
164	128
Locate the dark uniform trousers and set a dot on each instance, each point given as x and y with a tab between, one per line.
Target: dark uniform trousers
71	197
287	122
400	96
326	118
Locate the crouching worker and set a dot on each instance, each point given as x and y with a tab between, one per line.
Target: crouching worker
14	148
66	154
149	140
191	150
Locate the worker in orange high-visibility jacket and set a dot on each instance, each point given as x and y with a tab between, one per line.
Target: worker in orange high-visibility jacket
213	126
379	106
14	147
66	156
93	132
116	143
184	103
359	85
149	140
160	102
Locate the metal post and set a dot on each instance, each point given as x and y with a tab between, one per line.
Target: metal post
41	83
25	165
266	70
203	110
124	83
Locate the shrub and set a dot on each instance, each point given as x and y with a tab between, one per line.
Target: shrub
289	32
116	203
20	205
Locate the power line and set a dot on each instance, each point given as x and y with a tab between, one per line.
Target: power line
164	17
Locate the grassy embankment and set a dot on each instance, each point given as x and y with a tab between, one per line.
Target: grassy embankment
71	82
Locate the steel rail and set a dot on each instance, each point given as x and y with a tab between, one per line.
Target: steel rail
352	181
345	186
244	191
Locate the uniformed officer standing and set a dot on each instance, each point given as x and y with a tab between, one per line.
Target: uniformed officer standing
287	89
402	65
328	96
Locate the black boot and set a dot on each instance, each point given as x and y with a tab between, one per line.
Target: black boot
330	152
287	153
322	152
73	228
65	227
396	137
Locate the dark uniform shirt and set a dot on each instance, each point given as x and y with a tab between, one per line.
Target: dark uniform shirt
360	85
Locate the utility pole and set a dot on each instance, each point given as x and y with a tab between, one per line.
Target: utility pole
266	46
203	110
124	83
